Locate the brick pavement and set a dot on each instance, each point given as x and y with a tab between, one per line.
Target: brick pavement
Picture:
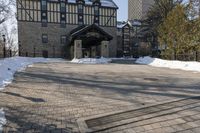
53	97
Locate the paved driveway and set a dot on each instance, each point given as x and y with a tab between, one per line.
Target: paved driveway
72	98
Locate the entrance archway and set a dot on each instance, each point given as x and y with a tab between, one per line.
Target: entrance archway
90	40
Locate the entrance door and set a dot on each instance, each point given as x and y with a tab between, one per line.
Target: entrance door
45	54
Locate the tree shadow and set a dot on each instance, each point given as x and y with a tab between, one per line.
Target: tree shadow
32	99
21	120
124	88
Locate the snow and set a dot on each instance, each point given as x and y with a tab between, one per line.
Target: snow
124	58
92	61
183	65
2	119
9	66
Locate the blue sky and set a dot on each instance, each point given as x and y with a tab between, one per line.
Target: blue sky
123	9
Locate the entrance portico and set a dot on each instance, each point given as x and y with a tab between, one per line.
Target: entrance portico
90	42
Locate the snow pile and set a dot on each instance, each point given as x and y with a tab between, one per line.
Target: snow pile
2	119
183	65
91	61
124	58
9	66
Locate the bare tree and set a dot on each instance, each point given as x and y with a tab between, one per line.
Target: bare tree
5	9
10	36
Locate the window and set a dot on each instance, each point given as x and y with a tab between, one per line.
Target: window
96	13
62	7
63	39
44	4
96	10
80	8
44	38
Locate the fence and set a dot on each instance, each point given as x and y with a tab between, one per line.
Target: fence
195	56
6	53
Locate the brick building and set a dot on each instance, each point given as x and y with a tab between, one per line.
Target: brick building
67	28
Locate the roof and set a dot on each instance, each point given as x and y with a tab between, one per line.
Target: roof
132	23
122	24
104	3
84	29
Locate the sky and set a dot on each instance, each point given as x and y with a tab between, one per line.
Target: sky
123	9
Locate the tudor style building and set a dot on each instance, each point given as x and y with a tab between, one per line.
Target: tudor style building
67	28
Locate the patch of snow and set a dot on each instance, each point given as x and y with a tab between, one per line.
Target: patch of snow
124	58
92	61
2	119
9	66
183	65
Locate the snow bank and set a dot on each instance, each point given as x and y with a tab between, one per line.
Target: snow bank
9	66
124	58
183	65
91	61
2	119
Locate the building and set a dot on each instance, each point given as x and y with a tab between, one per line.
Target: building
137	9
67	28
133	40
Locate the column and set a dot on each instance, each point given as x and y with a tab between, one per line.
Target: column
105	49
78	49
93	51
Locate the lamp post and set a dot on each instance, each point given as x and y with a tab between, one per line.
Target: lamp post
4	46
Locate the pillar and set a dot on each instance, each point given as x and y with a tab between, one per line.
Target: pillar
93	51
105	49
78	49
